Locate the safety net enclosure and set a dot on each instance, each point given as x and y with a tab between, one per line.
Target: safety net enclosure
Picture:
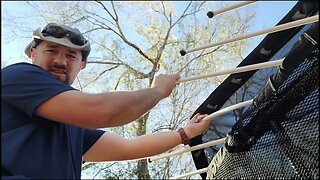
278	135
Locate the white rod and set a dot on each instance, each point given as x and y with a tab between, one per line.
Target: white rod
190	173
236	70
235	6
207	144
228	109
193	148
266	31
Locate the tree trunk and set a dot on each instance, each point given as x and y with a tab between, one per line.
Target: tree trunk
142	167
143	172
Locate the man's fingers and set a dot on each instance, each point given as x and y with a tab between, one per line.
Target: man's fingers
200	117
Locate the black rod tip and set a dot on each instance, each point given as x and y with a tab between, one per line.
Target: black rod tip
183	52
210	14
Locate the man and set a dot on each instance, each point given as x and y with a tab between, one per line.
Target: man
49	128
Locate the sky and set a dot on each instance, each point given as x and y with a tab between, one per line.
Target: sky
268	13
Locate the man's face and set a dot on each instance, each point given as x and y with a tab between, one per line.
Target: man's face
62	62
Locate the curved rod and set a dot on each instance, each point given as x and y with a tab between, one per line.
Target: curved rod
190	173
207	144
228	109
281	27
193	148
236	70
235	6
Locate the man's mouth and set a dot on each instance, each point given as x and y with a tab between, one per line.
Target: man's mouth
56	71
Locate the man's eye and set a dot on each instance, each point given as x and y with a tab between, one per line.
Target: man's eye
71	56
50	50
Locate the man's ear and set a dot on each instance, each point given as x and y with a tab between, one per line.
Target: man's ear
33	54
83	65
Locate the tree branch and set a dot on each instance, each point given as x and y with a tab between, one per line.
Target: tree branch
123	37
106	70
103	62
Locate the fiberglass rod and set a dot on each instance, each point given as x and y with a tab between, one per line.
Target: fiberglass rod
235	70
190	173
210	14
193	148
281	27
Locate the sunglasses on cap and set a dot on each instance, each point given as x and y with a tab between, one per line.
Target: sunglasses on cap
56	31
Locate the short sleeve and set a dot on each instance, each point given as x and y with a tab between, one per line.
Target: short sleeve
25	86
90	137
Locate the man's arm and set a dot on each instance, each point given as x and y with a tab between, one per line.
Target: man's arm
112	147
106	109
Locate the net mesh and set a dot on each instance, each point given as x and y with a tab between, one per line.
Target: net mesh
279	138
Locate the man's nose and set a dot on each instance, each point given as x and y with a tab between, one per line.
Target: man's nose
61	59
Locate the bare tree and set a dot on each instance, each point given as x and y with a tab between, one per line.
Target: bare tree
134	41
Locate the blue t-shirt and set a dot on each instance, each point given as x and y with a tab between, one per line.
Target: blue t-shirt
32	146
